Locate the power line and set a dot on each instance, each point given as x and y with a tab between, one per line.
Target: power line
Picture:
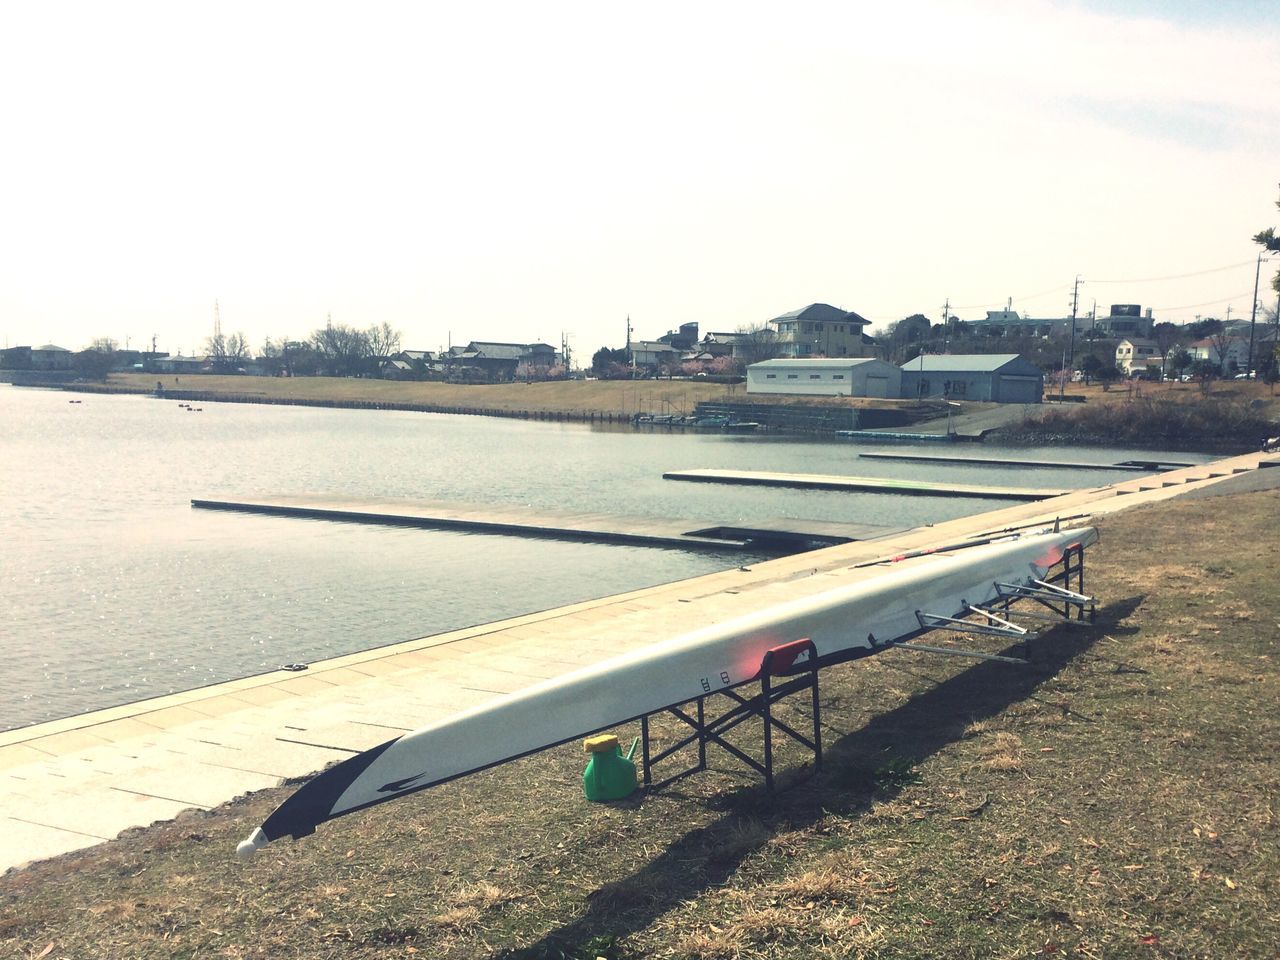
1207	303
983	306
1179	276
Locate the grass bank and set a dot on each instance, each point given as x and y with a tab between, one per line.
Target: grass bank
574	399
1235	417
1116	799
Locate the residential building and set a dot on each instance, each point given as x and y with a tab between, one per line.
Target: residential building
654	354
1133	355
1007	323
44	358
848	377
1234	351
1124	320
721	344
993	378
492	361
397	369
180	364
821	330
682	339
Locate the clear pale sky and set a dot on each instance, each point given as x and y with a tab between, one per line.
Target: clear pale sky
512	171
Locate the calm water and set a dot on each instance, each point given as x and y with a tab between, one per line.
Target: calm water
114	589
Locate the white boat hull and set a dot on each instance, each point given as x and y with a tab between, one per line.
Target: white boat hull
848	621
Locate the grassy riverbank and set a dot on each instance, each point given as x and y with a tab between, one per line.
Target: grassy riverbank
1116	799
619	398
1228	416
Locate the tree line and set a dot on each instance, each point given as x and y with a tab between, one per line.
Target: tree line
335	350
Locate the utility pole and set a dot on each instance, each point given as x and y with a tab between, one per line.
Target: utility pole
564	353
1254	315
631	353
1075	304
946	324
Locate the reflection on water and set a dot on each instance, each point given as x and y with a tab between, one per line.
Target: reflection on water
114	589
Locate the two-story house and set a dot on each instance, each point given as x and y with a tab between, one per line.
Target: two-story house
1136	354
821	330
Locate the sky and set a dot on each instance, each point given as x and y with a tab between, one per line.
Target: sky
526	171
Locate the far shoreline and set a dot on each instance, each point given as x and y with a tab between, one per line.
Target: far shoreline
1228	417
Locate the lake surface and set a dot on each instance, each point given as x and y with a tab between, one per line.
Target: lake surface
115	589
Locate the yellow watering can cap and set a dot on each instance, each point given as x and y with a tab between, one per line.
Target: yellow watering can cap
604	743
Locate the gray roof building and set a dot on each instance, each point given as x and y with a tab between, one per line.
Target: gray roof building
823	312
989	377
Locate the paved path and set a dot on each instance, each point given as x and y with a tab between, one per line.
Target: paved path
75	782
976	423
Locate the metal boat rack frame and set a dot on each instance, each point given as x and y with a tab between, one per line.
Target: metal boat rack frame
799	656
1060	595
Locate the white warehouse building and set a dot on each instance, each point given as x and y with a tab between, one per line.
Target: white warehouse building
843	377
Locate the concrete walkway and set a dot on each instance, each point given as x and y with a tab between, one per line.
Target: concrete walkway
72	783
976	423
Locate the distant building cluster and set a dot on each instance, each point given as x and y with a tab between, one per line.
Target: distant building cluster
828	338
480	361
818	330
1124	319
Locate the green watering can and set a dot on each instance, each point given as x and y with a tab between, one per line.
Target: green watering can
609	774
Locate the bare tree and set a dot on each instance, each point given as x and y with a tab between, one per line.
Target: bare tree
1165	335
227	353
756	343
342	349
1221	341
271	356
98	360
383	340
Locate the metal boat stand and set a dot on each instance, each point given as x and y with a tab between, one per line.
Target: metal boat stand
798	660
1065	606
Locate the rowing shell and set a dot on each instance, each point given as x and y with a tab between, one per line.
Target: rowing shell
849	621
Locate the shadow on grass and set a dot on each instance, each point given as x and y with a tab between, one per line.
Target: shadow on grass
850	782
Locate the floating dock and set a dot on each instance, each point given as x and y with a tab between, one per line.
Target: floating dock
820	481
781	535
897	437
1134	466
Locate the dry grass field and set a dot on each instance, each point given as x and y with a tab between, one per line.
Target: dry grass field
1115	799
1225	415
618	397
